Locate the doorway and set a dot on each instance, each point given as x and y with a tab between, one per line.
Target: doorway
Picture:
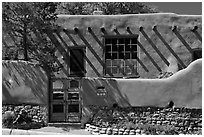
65	100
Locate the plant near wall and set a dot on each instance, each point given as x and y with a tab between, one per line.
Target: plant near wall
23	20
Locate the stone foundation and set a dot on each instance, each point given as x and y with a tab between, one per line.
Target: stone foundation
147	120
38	114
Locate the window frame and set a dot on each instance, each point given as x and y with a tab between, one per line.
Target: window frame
130	36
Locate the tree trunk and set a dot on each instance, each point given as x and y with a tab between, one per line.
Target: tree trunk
25	43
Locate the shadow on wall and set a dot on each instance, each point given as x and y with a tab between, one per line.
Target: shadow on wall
184	88
23	82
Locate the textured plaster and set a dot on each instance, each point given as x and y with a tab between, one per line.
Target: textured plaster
23	82
184	88
164	22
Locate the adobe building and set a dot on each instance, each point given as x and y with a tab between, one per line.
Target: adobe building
110	59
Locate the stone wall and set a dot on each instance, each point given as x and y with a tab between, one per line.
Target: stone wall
146	120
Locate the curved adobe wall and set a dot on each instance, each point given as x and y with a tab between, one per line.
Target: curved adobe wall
184	88
23	83
164	22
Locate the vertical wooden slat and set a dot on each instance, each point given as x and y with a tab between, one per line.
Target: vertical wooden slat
169	48
182	39
154	46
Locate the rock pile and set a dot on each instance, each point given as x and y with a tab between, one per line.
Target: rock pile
35	116
148	120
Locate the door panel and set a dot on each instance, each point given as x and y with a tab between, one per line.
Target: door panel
65	100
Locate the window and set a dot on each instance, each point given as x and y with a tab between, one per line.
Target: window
77	67
120	55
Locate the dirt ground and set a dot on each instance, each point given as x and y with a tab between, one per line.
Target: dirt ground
47	131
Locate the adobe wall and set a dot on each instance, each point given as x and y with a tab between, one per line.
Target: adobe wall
184	88
23	83
164	22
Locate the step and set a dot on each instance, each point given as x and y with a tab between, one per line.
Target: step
65	124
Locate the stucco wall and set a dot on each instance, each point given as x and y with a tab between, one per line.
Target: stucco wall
184	88
164	22
23	82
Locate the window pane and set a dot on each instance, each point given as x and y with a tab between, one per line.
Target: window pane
134	40
127	55
108	55
121	41
127	47
134	55
114	41
115	62
74	84
73	96
133	47
58	108
114	70
108	48
127	41
114	48
108	62
107	41
58	84
58	95
127	70
114	55
121	48
108	70
77	61
121	55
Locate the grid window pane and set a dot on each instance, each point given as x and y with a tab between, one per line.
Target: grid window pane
127	55
108	49
119	55
134	47
108	41
134	55
108	62
114	48
108	70
127	41
108	55
134	41
114	41
114	70
121	48
114	55
121	41
127	47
